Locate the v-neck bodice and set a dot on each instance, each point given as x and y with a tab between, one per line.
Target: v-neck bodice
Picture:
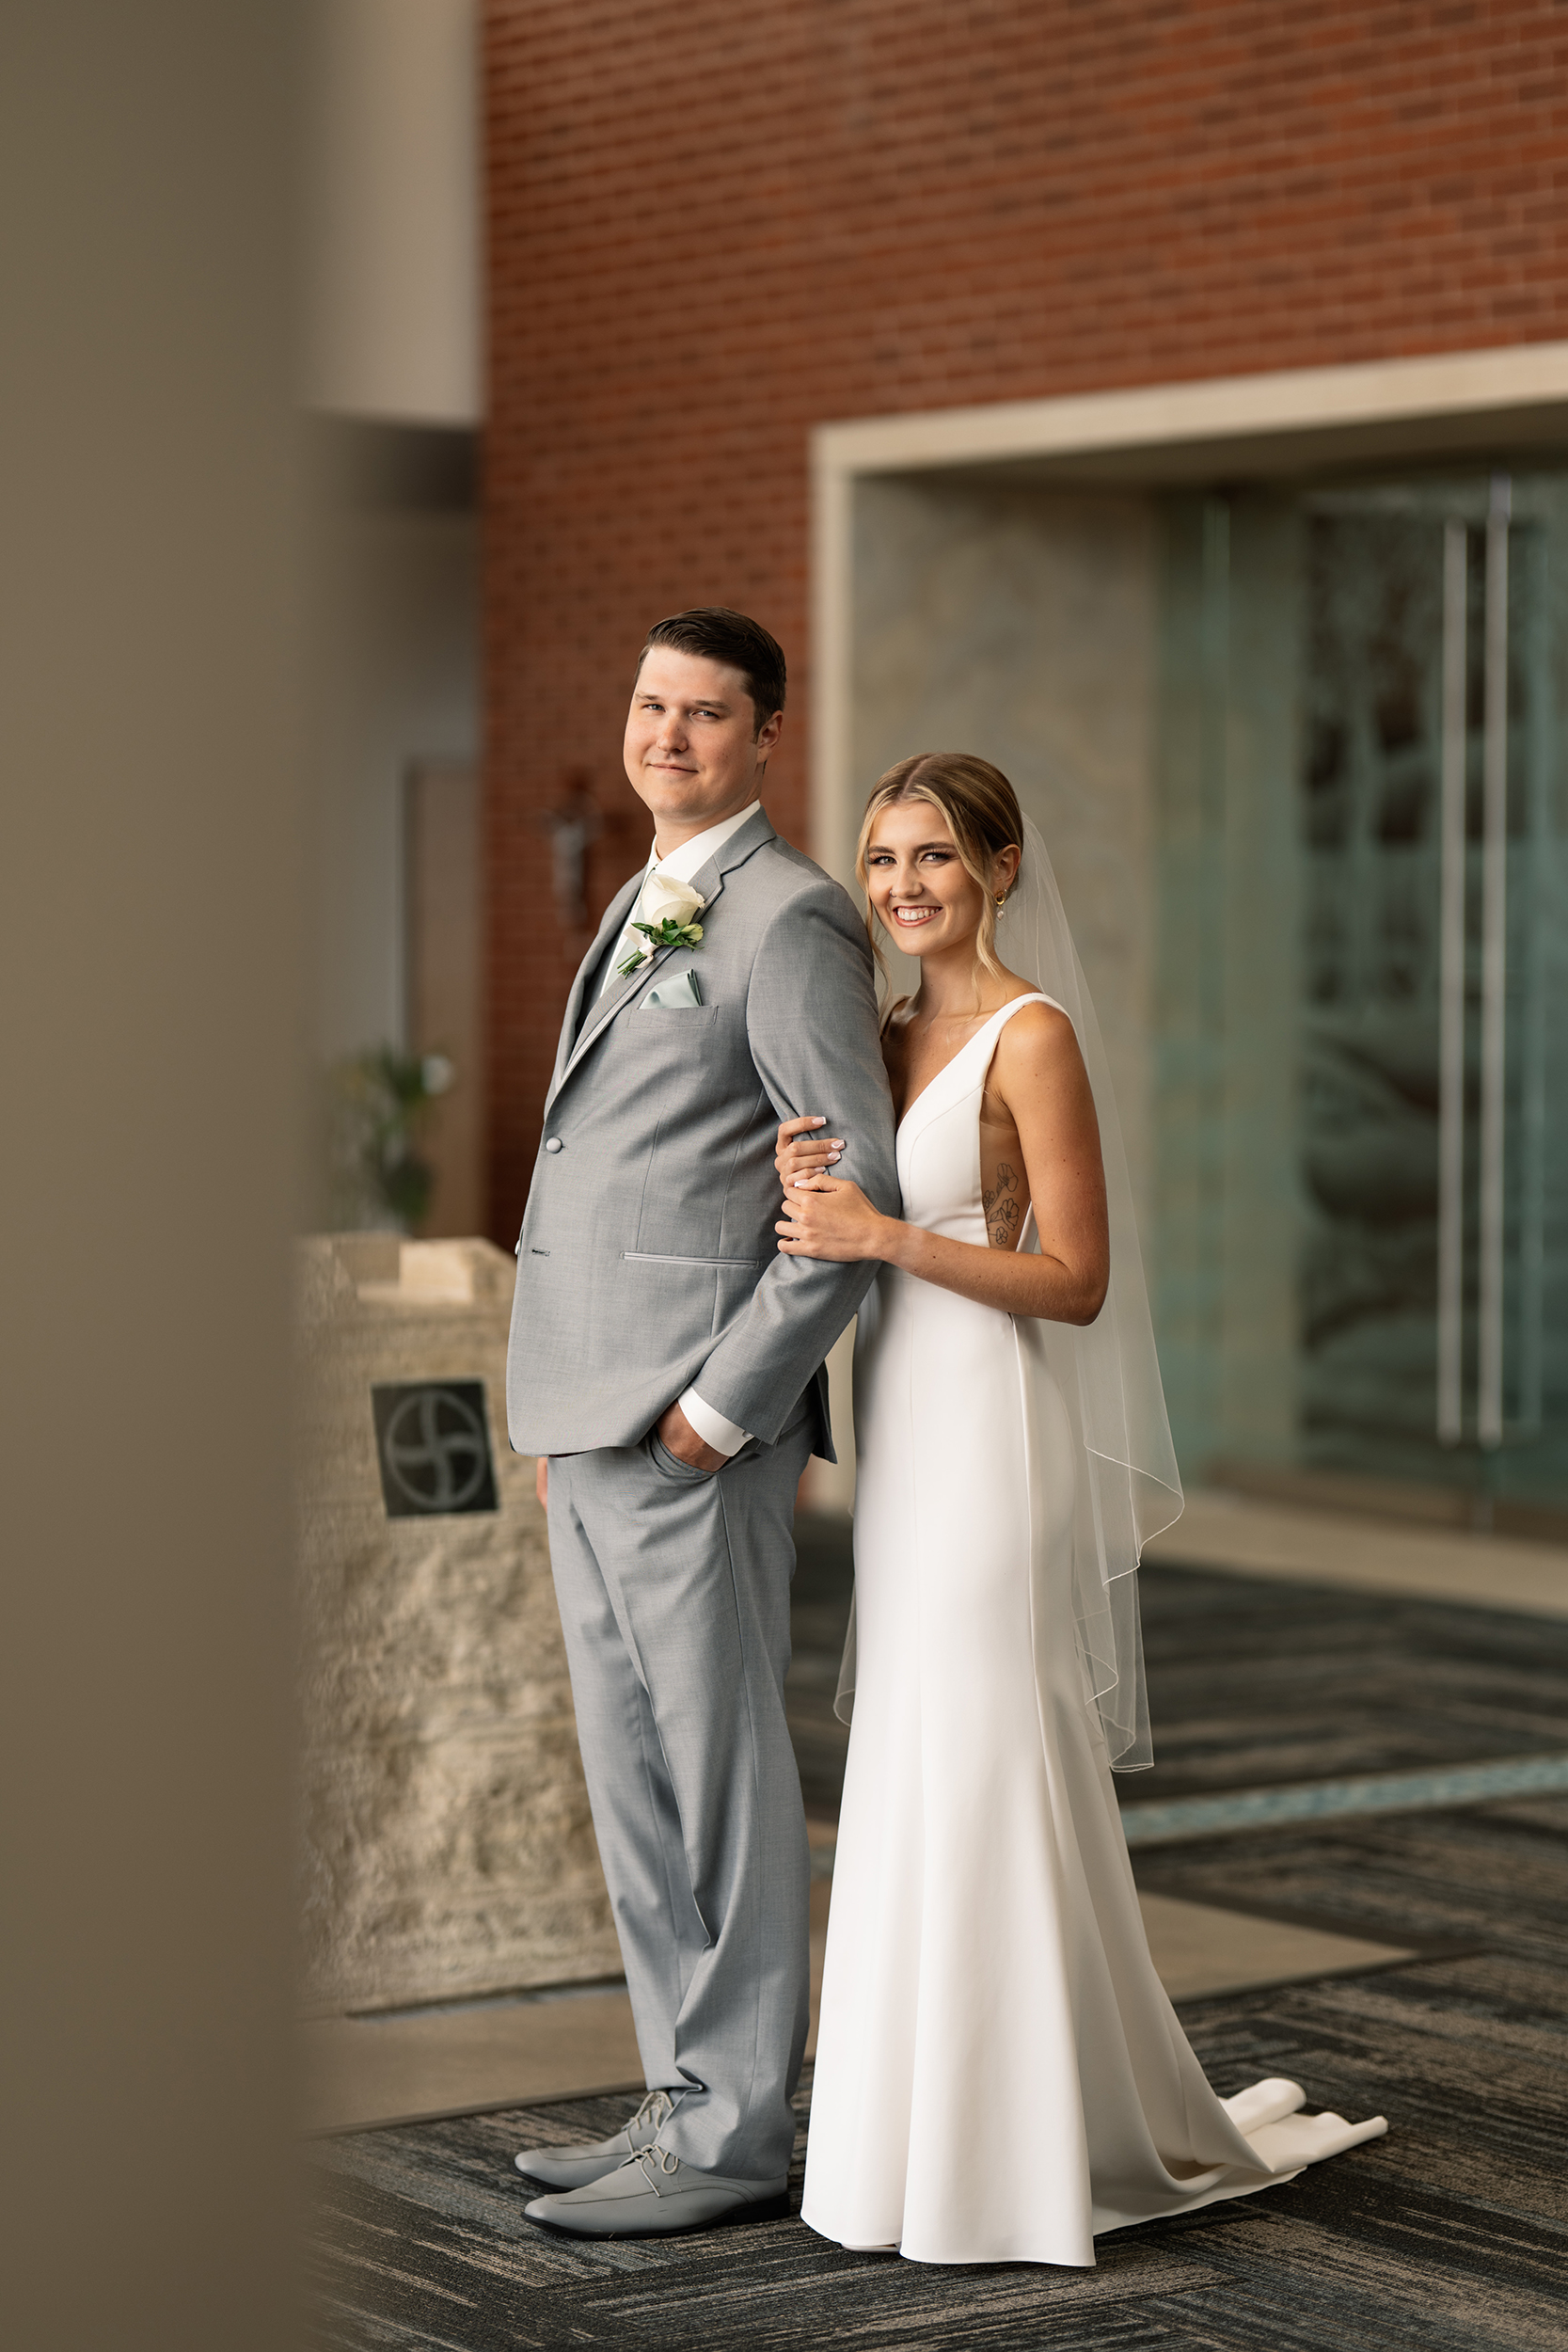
938	1136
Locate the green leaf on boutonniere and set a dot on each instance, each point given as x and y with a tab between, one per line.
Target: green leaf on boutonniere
666	934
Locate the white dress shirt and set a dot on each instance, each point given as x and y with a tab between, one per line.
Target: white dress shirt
680	865
724	1437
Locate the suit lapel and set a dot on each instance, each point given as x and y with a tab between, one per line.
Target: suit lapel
708	882
608	932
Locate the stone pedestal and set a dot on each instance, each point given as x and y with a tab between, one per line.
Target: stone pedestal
448	1846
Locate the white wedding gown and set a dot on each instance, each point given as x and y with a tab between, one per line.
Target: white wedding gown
1000	2076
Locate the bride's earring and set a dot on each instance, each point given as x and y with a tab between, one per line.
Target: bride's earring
1001	901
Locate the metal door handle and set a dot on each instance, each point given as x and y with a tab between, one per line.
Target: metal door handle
1450	1088
1493	970
1494	981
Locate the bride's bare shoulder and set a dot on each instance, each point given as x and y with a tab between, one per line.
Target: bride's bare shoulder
1038	1043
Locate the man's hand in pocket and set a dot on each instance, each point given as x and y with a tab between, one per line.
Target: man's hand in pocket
676	1431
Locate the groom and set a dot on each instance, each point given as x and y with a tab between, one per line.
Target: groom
670	1363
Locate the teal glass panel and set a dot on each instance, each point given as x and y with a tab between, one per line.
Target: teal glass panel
1227	1184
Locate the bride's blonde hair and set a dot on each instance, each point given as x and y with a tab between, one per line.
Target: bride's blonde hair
983	816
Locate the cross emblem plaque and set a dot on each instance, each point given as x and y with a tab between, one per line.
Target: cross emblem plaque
433	1445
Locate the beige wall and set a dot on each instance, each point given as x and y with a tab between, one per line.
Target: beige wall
1019	622
148	968
444	912
395	663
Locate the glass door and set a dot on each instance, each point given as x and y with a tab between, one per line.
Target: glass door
1364	941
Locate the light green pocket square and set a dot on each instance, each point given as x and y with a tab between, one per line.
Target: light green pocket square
675	991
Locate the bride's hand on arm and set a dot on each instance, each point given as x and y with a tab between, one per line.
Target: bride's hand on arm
825	1219
803	1150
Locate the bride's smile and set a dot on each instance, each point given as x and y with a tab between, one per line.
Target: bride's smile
1039	1144
919	886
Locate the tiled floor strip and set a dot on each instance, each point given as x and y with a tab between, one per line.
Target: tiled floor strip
1320	1800
1317	1800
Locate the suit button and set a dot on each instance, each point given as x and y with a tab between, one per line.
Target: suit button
552	1143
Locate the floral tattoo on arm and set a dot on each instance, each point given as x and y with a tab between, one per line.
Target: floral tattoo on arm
1004	1211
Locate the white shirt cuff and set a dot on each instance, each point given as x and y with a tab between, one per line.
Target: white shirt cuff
724	1437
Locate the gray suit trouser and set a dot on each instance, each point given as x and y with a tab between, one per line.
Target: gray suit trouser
674	1589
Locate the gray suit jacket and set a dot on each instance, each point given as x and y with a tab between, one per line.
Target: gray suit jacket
647	1258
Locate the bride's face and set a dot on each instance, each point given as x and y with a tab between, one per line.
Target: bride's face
919	885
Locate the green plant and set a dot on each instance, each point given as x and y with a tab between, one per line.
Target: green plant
381	1104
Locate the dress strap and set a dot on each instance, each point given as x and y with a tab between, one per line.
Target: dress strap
1037	997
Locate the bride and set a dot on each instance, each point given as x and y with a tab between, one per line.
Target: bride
999	2074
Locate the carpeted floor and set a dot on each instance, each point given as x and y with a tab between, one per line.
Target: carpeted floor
1452	2232
1253	1681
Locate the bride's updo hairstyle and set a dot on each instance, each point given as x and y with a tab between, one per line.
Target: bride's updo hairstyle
983	816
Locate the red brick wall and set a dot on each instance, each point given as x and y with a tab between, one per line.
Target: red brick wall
713	226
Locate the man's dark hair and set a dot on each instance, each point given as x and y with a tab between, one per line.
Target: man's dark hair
716	634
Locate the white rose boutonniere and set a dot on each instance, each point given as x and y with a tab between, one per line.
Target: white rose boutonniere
668	907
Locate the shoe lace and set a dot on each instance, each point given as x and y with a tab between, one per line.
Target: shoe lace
655	2111
653	2161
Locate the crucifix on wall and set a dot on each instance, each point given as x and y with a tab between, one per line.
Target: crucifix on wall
573	825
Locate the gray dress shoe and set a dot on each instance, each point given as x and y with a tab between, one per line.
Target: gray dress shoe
574	2167
653	2192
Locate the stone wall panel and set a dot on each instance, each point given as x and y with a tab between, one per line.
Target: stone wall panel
447	1849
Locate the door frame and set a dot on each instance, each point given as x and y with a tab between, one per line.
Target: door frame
1289	421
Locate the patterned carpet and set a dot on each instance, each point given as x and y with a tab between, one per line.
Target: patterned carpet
1450	2233
1253	1681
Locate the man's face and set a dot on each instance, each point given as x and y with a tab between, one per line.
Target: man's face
689	748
